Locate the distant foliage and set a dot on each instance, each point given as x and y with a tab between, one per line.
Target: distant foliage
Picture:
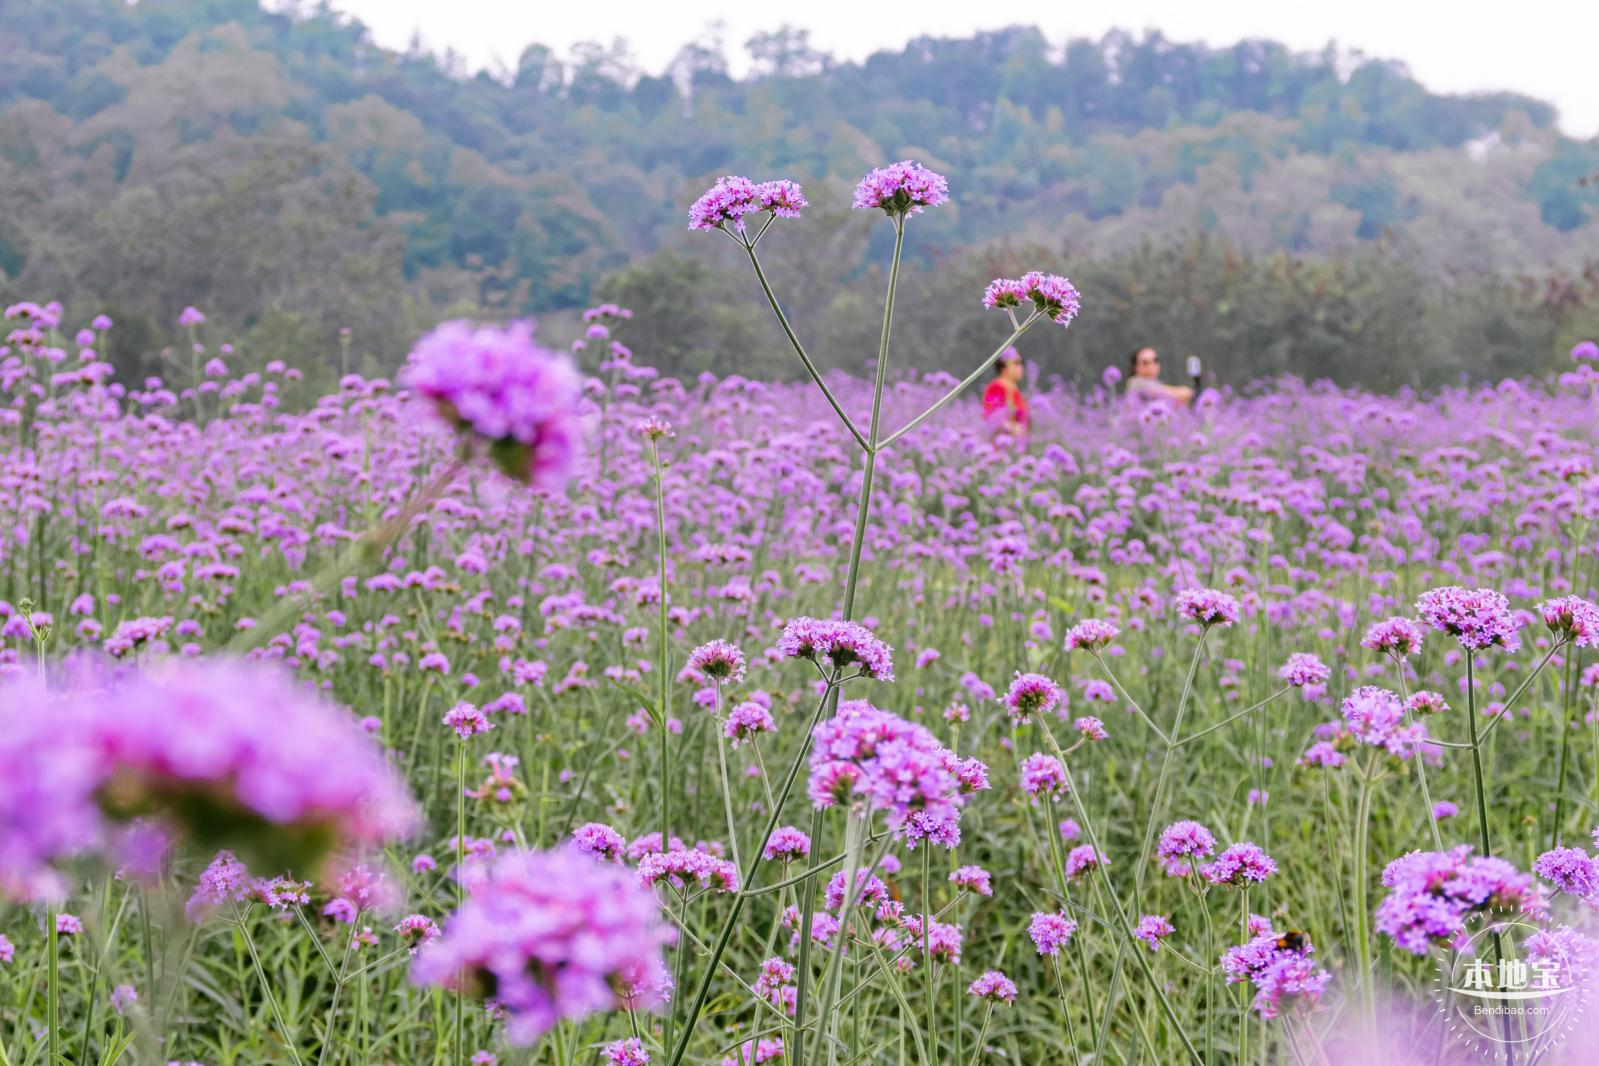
295	178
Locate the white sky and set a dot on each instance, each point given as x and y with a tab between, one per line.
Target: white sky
1548	49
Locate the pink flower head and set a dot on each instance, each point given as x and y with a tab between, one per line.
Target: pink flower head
1090	634
973	878
1478	618
466	720
719	661
748	720
787	844
681	865
1396	636
1090	727
840	643
781	197
733	197
417	931
901	189
1152	929
1004	292
755	1052
1043	774
1302	670
1243	863
550	935
894	766
1433	892
502	387
1425	702
1031	694
599	841
994	987
728	201
1051	931
1572	618
242	755
1083	858
1055	297
1180	844
629	1052
1571	870
1208	607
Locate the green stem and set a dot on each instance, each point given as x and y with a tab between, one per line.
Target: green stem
799	349
1565	746
1121	913
289	1040
664	697
52	986
982	1034
1157	807
1362	916
927	949
742	896
1420	760
727	792
1476	754
807	907
460	890
949	397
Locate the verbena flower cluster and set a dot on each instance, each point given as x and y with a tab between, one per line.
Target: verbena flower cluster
1432	893
843	644
894	766
502	387
549	936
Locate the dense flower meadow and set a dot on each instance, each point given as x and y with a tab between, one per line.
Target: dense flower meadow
531	707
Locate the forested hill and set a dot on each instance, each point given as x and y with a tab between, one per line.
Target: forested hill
291	175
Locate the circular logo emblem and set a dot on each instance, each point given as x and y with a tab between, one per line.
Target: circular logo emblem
1513	983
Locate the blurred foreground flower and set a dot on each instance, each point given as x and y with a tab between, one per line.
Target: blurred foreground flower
500	386
550	935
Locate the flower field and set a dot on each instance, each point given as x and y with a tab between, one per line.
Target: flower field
736	726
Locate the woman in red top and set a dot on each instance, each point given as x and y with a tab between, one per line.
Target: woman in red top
1004	406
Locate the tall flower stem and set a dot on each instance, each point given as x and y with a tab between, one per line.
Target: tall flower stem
727	792
855	828
1368	999
664	693
1476	754
53	985
982	1035
1420	760
1058	861
266	990
1122	921
1243	993
1157	807
460	887
864	506
746	881
1482	804
1566	728
931	986
799	349
803	901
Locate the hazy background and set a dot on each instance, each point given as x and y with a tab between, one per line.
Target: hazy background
1544	48
1416	203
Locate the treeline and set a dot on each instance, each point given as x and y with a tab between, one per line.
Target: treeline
294	178
1374	318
